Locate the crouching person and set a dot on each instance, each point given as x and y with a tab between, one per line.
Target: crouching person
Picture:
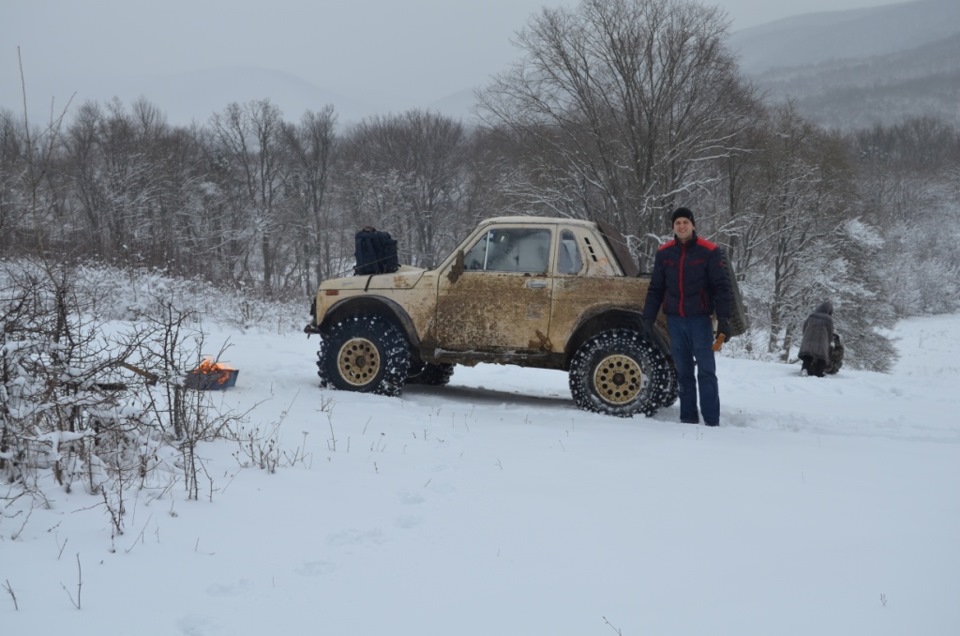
817	340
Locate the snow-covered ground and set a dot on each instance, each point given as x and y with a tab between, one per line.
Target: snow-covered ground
494	507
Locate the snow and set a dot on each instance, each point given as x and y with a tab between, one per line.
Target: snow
494	506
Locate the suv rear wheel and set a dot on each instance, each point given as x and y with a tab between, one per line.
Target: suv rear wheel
365	353
618	372
670	385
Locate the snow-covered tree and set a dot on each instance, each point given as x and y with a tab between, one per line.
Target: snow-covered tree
249	141
910	187
405	173
319	236
615	102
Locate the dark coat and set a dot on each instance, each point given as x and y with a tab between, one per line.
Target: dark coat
818	333
689	279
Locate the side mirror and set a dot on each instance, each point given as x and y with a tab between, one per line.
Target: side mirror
457	269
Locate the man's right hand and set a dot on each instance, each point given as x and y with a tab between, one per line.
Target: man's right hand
723	327
648	324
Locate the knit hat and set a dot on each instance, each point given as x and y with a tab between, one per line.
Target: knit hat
682	212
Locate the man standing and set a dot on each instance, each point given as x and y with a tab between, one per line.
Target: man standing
690	283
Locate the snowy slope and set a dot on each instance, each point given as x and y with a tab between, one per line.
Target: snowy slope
494	506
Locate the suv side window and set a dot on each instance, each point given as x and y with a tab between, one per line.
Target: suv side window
510	250
569	260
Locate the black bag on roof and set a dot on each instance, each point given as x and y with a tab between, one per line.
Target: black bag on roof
376	252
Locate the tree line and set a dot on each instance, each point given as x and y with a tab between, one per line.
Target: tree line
619	110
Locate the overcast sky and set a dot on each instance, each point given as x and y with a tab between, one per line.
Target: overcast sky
403	48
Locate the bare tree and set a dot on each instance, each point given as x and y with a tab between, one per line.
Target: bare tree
910	184
249	140
31	210
615	101
407	174
12	164
312	145
804	193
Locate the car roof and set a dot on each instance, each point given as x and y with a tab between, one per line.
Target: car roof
538	219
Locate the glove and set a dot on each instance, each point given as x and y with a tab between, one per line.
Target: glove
723	327
649	325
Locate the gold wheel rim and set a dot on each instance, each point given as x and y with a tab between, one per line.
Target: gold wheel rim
358	361
618	379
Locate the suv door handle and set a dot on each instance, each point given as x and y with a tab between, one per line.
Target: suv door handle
536	284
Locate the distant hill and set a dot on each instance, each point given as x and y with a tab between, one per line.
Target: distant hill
851	69
211	90
186	97
858	93
194	97
819	37
842	69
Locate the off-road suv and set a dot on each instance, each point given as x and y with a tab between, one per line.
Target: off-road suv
528	291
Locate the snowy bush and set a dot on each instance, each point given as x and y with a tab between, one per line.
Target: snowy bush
89	401
132	294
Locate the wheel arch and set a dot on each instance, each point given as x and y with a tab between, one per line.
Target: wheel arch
612	318
373	305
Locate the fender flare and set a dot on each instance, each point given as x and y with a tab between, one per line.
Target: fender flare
606	318
372	304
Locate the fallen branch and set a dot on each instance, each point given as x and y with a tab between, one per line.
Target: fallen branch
76	603
9	590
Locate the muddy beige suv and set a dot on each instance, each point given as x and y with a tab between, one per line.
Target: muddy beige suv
534	292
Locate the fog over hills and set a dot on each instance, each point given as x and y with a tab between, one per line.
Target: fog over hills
858	93
841	68
194	97
818	37
205	92
853	69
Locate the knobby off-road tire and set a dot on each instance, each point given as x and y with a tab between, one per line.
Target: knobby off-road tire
618	372
364	353
664	366
430	374
671	384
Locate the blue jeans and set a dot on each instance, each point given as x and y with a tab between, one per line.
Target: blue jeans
691	344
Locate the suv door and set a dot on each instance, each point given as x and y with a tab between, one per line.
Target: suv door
502	299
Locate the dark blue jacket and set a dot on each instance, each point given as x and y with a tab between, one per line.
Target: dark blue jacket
689	279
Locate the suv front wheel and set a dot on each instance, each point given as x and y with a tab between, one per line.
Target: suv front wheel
618	372
430	374
365	353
